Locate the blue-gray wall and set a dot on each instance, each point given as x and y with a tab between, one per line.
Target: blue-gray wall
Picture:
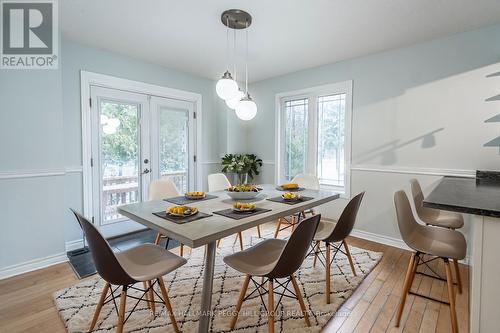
40	132
398	96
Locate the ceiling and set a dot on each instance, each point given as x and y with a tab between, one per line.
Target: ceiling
286	35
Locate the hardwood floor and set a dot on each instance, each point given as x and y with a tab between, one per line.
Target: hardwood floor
26	303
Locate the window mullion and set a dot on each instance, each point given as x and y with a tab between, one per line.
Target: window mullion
312	134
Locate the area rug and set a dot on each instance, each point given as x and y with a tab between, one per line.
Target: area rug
76	304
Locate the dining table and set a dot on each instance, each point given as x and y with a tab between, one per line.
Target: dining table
208	230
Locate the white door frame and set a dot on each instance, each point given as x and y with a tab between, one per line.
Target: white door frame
88	79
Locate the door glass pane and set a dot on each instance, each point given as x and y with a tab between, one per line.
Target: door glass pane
296	121
119	146
331	131
174	146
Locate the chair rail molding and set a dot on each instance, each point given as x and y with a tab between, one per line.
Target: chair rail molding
414	170
37	173
32	173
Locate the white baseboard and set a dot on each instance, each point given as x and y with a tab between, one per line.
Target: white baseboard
32	265
74	245
387	240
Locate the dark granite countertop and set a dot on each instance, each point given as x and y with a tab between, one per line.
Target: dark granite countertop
466	195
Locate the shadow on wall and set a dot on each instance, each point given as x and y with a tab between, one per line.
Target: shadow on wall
496	119
387	151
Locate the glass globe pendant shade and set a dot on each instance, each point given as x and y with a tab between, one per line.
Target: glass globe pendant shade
226	87
233	102
246	108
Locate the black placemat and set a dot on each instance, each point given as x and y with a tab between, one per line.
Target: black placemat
182	219
290	202
241	215
279	188
182	200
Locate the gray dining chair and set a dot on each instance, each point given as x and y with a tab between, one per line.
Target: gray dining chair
274	259
331	233
436	218
442	243
144	263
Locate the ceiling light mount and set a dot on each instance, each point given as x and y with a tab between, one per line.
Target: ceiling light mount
236	19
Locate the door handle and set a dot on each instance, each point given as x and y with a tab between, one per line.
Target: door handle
146	171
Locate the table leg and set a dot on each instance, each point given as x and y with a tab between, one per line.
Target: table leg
206	293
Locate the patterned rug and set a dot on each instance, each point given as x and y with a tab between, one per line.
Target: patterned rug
76	304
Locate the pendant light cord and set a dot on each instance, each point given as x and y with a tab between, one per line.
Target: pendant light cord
234	56
227	42
246	60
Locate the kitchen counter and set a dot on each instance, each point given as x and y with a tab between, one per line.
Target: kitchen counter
466	195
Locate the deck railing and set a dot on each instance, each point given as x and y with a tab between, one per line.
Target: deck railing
121	190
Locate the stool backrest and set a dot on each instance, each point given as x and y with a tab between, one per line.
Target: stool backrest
217	182
418	201
347	219
296	249
311	182
160	189
407	224
106	263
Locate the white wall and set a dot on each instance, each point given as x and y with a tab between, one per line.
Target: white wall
399	97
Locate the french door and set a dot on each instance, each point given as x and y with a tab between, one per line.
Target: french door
136	138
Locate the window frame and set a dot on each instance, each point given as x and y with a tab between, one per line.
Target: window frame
313	93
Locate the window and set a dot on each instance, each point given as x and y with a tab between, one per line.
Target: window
314	134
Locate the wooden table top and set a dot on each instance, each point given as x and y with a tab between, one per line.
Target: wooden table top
206	230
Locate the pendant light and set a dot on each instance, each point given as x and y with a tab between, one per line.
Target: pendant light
246	108
226	87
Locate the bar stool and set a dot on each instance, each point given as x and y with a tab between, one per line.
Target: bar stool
436	218
424	240
144	263
274	259
331	233
307	181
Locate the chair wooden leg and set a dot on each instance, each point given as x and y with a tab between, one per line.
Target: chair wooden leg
327	272
121	313
240	301
166	301
146	297
270	307
99	306
218	242
451	296
258	231
348	253
457	273
406	288
316	253
277	228
151	298
182	250
158	238
301	300
240	236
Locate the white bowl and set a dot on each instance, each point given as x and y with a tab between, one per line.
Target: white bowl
242	195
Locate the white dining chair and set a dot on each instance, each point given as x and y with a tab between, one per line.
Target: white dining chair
305	180
160	189
219	182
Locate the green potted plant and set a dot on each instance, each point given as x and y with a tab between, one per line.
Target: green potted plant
245	166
